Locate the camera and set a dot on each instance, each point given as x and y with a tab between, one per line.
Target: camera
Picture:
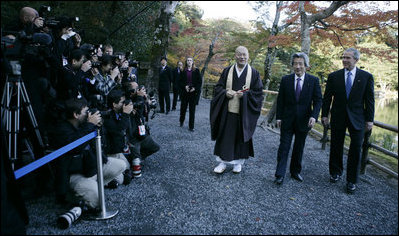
153	100
64	221
132	62
138	105
96	64
127	102
104	114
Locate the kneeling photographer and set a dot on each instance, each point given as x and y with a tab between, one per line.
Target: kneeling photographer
74	82
143	144
117	125
76	171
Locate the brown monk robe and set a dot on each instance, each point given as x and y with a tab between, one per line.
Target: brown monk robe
234	112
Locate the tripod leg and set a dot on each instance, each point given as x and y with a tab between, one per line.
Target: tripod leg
6	115
31	114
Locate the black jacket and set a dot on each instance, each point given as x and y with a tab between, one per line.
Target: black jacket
176	79
297	113
195	79
165	79
359	106
117	126
80	160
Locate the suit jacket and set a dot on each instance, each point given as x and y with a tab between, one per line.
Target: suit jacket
360	104
293	113
176	79
165	78
195	78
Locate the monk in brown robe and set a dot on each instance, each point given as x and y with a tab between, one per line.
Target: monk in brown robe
234	112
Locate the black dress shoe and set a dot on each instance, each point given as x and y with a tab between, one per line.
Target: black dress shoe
167	112
350	187
181	124
297	177
334	178
279	180
192	130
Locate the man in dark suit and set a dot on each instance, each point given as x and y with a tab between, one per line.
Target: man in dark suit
165	79
176	84
353	92
298	106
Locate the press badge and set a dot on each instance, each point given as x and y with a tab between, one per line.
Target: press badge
141	130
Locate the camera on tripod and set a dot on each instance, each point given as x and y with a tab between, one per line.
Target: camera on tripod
54	22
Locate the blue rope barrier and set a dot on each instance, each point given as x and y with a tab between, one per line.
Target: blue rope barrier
44	160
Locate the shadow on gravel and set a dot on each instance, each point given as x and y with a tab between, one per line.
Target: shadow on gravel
178	192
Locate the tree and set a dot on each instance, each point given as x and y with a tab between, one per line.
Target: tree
308	20
160	40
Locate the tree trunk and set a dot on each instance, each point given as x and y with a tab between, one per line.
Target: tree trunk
161	41
308	20
208	59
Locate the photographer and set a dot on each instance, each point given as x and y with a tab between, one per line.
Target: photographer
143	144
108	49
77	169
65	39
75	81
29	21
107	78
117	125
32	50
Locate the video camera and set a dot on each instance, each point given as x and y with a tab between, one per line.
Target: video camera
55	22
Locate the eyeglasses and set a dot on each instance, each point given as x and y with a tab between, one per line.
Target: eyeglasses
346	58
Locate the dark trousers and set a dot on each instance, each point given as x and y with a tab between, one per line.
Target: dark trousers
297	152
354	154
176	95
164	97
144	148
188	99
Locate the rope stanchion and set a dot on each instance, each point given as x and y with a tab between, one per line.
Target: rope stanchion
44	160
104	214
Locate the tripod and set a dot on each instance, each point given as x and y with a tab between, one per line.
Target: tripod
14	89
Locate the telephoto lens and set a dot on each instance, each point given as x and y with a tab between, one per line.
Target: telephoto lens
64	221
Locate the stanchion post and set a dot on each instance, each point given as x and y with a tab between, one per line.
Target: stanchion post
104	214
365	152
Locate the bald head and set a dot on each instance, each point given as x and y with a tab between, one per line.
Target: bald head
27	15
241	56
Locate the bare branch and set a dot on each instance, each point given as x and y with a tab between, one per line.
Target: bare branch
325	13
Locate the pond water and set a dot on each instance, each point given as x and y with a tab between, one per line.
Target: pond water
386	111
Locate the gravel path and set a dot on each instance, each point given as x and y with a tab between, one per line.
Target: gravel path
178	192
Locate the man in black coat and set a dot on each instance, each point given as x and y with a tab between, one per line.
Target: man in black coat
298	106
352	90
165	79
176	84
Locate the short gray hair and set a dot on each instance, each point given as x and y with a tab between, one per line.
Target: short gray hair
356	53
300	55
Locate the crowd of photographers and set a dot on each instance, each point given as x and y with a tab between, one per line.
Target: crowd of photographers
75	89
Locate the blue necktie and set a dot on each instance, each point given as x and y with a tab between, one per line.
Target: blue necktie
298	89
348	85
